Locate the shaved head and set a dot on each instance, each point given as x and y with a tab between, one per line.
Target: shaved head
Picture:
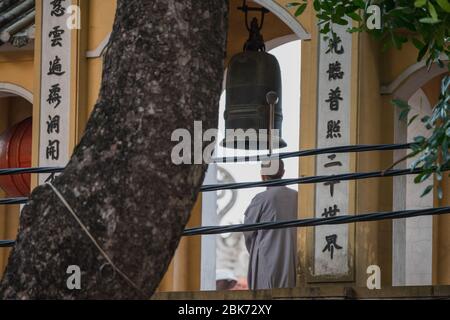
272	170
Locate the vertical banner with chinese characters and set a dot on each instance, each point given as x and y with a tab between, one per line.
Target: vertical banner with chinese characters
331	243
55	86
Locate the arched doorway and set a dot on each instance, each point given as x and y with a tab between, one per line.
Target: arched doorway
419	230
413	239
226	254
15	107
231	252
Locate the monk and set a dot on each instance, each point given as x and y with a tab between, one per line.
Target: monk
273	253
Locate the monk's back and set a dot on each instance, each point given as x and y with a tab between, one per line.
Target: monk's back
282	201
272	252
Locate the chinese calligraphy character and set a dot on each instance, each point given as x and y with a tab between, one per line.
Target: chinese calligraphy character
54	95
331	212
333	163
56	67
334	129
333	45
334	98
57	9
331	244
335	71
331	184
55	36
53	150
53	124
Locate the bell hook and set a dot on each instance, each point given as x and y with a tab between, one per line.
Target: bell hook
272	98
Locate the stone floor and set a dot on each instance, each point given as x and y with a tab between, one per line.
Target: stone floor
325	292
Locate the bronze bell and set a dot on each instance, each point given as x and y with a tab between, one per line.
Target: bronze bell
251	75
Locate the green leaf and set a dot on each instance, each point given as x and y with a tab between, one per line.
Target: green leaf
422	52
448	132
323	17
326	28
403	115
342	22
420	3
398	12
432	11
444	4
401	104
422	177
355	29
292	4
359	3
412	119
354	16
326	6
339	11
429	20
419	139
427	190
300	9
418	44
425	119
317	6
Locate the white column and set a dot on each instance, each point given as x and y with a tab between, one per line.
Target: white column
412	237
209	218
399	203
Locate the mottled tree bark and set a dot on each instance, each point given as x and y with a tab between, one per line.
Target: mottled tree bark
163	70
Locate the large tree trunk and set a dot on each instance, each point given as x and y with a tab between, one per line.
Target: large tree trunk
162	71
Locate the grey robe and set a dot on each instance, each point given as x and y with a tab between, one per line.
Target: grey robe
272	252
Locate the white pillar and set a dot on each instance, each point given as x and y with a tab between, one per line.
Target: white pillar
399	203
412	237
209	218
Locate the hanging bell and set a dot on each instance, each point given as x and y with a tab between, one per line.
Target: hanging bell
251	75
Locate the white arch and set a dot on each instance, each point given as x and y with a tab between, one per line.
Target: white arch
413	78
270	45
276	9
277	42
286	17
404	87
10	88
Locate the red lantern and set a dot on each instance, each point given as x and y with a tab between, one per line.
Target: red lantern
15	152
